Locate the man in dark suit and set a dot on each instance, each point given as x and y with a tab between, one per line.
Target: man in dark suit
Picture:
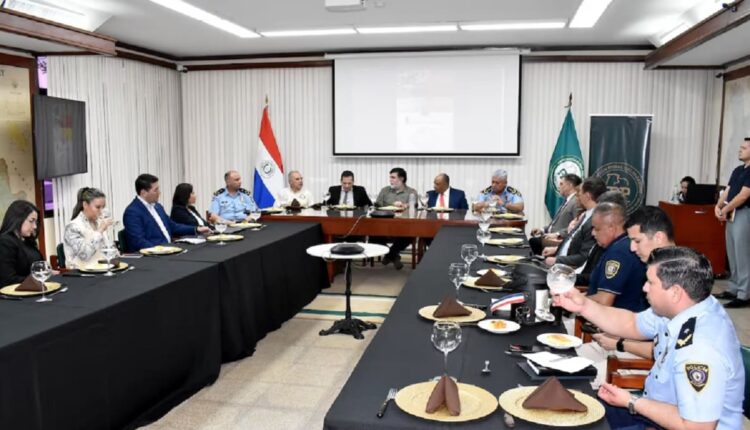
568	188
575	248
348	194
145	221
443	196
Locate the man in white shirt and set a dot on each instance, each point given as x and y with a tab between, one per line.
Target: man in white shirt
294	192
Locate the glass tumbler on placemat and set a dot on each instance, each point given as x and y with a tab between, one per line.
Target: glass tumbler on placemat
446	336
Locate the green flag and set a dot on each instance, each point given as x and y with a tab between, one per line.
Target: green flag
565	159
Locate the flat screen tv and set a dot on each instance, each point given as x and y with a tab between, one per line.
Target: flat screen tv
59	137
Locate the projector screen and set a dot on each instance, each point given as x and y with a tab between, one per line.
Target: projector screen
426	104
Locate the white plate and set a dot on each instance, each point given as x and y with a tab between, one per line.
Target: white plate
559	340
498	272
488	325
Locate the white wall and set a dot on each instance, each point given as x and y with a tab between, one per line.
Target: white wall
221	117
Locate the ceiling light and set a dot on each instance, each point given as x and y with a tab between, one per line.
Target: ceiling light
489	26
588	13
311	32
206	17
408	29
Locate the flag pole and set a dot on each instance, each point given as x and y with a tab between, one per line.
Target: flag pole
266	99
570	101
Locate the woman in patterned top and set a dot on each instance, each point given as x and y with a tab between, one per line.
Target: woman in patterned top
85	235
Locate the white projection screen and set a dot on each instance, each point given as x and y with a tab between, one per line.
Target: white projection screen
463	103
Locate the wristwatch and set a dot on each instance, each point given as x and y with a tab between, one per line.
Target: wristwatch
620	346
631	403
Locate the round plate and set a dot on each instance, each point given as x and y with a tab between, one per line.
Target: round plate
161	250
390	208
102	267
441	209
513	241
506	230
225	237
475	402
507	216
505	259
272	210
10	290
476	315
470	282
511	401
492	326
559	340
244	225
343	207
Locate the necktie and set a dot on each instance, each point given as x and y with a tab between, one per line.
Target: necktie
346	197
442	200
557	215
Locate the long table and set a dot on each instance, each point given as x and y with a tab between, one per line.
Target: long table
401	352
119	352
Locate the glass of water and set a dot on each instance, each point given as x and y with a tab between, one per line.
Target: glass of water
457	273
41	271
221	227
109	251
469	253
446	336
483	237
255	214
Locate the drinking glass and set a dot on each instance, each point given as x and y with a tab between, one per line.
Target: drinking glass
483	237
109	251
446	336
41	271
457	272
560	278
485	214
484	226
255	214
469	253
106	214
221	227
423	199
326	196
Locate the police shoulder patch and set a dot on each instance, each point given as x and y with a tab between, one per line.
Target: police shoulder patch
219	191
697	375
611	268
487	190
685	337
244	191
513	191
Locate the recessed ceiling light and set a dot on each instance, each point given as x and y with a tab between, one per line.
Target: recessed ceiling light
206	17
408	29
310	32
588	13
529	25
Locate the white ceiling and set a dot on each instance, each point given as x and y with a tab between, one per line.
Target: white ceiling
723	49
145	24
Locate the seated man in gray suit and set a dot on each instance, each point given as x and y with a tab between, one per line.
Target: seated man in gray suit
568	187
575	248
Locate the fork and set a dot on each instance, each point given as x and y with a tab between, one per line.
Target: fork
391	395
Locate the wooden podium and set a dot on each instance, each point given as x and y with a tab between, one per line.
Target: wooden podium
695	226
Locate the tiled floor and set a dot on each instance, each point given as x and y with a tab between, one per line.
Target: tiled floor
295	374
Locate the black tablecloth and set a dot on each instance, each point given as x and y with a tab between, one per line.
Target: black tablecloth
264	280
110	353
402	354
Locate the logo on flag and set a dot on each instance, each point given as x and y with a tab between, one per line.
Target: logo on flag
510	299
269	170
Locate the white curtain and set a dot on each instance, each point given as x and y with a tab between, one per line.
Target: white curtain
221	117
133	126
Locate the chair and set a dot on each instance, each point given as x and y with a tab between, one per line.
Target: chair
746	362
628	382
58	261
121	242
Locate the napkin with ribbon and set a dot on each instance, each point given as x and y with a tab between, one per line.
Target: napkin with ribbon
444	393
31	284
450	307
489	279
551	395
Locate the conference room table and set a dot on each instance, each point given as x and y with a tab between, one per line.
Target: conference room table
402	354
119	352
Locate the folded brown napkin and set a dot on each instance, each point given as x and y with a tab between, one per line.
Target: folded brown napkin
489	279
449	307
30	284
551	395
294	204
114	261
444	393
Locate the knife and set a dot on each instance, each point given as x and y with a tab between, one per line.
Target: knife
78	275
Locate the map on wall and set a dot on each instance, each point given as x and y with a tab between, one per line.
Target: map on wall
736	124
16	151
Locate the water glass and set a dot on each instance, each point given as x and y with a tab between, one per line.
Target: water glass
484	226
109	251
560	278
326	197
446	336
41	271
483	237
457	273
255	214
221	227
469	253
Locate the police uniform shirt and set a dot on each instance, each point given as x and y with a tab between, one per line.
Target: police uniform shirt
232	207
621	273
740	178
509	195
697	363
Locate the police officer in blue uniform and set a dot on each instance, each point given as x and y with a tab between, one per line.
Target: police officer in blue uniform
232	203
499	194
698	377
618	276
